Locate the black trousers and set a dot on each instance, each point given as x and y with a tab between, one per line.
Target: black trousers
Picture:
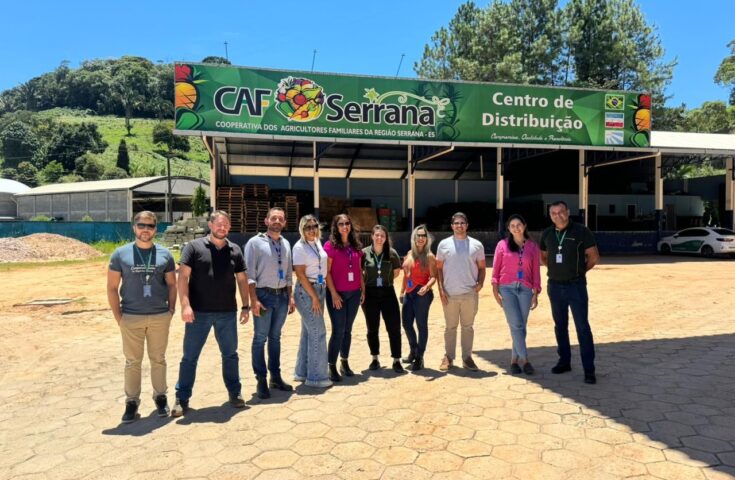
382	300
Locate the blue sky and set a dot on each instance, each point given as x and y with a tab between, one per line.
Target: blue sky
350	37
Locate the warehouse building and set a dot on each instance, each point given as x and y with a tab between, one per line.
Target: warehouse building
111	200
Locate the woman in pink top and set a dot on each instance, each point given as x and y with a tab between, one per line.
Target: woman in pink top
516	284
346	292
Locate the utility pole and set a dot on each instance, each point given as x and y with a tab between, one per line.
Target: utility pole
226	56
313	59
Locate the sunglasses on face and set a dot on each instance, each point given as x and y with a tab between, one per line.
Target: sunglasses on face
459	224
143	226
344	224
311	227
421	235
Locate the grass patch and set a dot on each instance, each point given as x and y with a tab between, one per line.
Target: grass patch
9	267
107	246
146	157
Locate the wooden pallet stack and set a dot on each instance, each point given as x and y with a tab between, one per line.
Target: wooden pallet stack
256	206
290	205
230	199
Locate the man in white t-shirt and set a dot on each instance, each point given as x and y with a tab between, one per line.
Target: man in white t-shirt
460	265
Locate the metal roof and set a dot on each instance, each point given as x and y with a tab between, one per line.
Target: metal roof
141	184
11	186
701	143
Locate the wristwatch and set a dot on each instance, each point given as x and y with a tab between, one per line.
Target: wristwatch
246	307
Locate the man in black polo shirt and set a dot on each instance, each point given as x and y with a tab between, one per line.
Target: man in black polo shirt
569	250
209	267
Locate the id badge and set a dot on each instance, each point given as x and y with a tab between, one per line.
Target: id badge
379	281
558	258
350	277
320	279
520	275
280	274
409	283
147	292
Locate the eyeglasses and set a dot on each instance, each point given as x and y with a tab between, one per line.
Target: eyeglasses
421	235
344	224
311	227
143	226
459	224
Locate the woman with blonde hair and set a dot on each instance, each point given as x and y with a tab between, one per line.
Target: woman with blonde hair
419	276
310	266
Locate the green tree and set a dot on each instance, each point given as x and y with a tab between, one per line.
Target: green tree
123	159
19	144
51	173
725	75
88	167
113	173
163	134
612	46
71	141
131	84
711	117
216	60
199	204
27	174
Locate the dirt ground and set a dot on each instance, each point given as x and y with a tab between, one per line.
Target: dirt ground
666	367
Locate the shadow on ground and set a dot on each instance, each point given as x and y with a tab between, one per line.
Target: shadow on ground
679	391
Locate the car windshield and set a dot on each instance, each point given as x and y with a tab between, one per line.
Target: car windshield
723	231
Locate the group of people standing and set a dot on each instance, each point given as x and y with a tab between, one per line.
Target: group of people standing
343	276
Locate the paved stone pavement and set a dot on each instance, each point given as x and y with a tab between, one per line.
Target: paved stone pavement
663	407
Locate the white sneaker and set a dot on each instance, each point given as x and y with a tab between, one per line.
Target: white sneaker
318	383
298	378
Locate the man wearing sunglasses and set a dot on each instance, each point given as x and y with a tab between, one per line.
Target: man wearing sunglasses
143	307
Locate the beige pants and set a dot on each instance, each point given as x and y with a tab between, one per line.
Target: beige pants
136	330
460	310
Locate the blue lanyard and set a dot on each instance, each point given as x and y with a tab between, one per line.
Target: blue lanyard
148	263
277	248
378	260
316	252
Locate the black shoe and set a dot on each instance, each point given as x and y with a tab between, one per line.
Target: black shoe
515	369
528	369
131	409
236	400
418	364
333	373
374	365
410	358
278	383
344	368
180	407
162	406
561	368
262	389
590	378
397	367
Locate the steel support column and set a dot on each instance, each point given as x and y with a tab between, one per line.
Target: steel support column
411	189
729	219
315	159
499	189
583	187
658	191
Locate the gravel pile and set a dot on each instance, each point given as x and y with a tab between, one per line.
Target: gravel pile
44	247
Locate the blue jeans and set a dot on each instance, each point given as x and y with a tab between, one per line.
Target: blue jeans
342	320
268	328
517	305
311	361
195	336
564	296
416	307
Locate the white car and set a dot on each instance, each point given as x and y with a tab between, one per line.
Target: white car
706	241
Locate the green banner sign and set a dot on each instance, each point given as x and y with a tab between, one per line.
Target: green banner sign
273	103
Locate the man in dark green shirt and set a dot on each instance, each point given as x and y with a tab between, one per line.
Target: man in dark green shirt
569	250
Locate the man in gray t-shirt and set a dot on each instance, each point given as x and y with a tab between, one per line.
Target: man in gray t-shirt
143	307
460	265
